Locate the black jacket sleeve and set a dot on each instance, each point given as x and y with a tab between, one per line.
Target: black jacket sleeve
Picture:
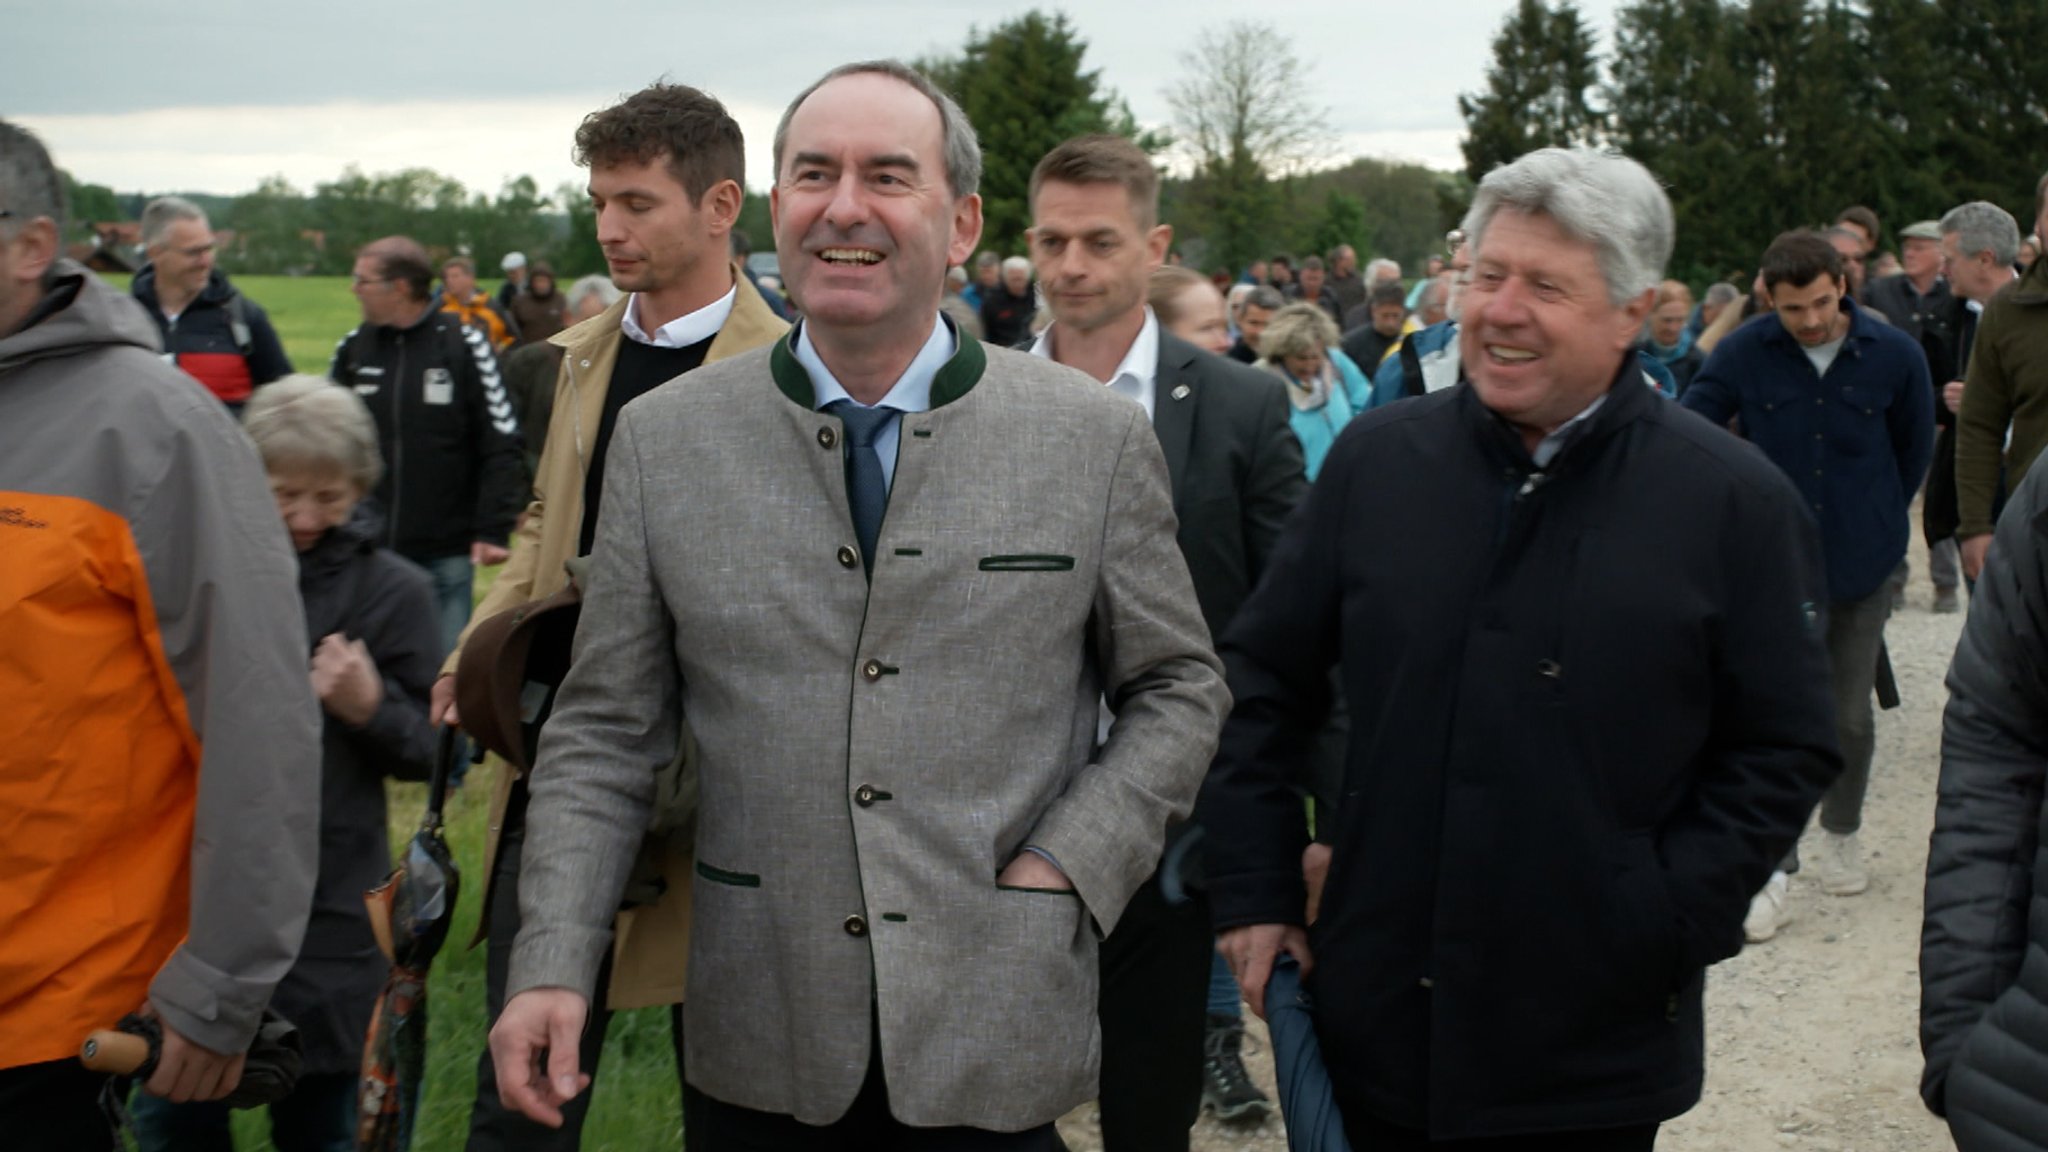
1994	759
399	624
1774	750
267	359
502	490
1277	655
1277	479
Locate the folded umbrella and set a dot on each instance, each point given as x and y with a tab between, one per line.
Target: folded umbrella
409	915
1307	1105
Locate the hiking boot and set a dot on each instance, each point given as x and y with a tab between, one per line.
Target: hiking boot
1769	910
1841	865
1946	602
1227	1089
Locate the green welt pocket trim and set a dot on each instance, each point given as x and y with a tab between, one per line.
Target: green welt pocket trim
1038	891
721	876
1027	564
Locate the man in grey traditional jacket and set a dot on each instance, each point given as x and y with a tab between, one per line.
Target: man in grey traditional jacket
912	833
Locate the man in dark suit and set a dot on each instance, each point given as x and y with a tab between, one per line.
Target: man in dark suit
1237	471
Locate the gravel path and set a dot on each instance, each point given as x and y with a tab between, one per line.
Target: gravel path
1813	1038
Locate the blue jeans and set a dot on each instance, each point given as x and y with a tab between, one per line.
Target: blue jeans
1223	995
455	593
319	1116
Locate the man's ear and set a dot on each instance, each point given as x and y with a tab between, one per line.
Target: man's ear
36	247
722	203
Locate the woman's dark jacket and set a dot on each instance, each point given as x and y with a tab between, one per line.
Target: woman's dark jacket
365	593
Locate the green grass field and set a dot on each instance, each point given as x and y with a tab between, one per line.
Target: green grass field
636	1105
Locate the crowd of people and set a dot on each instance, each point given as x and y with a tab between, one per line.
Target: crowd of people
957	637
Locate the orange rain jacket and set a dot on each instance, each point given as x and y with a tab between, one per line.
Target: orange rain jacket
160	776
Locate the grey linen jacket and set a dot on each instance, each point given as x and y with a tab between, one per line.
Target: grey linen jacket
875	752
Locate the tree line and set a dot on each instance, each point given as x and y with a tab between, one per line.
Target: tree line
1762	115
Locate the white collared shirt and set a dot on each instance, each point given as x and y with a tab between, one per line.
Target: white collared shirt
912	391
1561	437
685	330
1137	375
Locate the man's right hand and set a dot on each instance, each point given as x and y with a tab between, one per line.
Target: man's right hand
187	1072
1251	950
1952	395
535	1047
441	703
1974	549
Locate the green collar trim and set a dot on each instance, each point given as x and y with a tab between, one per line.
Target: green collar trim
955	378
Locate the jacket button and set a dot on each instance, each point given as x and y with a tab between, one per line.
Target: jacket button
856	926
864	795
872	670
1426	982
1550	668
848	558
827	438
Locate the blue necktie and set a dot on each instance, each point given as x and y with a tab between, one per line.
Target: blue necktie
866	488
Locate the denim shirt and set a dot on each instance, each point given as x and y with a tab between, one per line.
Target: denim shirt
1856	442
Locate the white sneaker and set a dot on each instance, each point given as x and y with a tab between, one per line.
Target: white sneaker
1769	910
1841	865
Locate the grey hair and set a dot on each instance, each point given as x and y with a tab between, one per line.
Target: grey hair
29	186
1722	294
1437	292
1598	198
163	212
1372	270
1981	226
962	149
1296	330
593	285
1265	297
313	423
1016	264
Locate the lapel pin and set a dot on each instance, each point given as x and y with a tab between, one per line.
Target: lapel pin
1180	393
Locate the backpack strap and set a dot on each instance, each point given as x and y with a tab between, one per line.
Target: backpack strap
238	323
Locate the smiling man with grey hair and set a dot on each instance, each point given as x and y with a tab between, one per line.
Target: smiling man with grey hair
1608	716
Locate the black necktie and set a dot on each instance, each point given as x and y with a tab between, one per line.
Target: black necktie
867	490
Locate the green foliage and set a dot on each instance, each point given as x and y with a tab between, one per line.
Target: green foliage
1537	89
87	204
1765	115
1024	88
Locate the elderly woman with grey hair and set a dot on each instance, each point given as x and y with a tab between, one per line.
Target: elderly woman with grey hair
1324	388
376	651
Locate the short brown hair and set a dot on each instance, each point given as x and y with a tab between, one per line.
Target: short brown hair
692	129
1671	290
462	262
402	258
1863	218
1103	159
1798	259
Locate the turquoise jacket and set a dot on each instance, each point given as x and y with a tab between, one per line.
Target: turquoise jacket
1317	428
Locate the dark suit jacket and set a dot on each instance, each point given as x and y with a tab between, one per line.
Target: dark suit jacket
1236	467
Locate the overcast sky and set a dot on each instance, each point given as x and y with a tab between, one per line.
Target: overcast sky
214	96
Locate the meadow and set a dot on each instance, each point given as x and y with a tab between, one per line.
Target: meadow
636	1105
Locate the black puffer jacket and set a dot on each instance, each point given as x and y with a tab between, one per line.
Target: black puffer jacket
351	586
454	471
1984	940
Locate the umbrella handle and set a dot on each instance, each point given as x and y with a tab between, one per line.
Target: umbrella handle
113	1052
444	769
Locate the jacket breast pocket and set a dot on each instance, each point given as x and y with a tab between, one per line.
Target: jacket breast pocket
1027	562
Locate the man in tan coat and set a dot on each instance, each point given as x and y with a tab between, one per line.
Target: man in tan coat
666	167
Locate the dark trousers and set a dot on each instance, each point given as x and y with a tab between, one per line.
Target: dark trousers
53	1107
1153	1009
319	1116
493	1127
715	1126
1367	1132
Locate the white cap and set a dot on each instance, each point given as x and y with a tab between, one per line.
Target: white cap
513	260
